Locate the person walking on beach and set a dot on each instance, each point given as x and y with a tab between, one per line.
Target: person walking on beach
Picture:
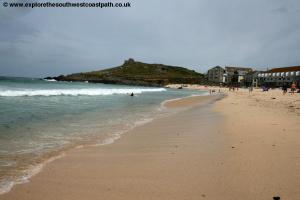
250	89
293	88
284	89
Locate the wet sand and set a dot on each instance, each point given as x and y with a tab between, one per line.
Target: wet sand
230	148
186	102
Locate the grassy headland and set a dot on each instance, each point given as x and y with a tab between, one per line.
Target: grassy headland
138	73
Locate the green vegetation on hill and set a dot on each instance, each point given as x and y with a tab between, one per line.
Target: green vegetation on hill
138	73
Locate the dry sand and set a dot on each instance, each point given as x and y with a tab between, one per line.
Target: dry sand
264	131
241	147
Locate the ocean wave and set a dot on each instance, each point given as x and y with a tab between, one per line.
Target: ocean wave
50	80
77	92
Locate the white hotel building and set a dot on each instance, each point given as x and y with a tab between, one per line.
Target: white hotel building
278	77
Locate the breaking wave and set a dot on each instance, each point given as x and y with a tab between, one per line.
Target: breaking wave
76	92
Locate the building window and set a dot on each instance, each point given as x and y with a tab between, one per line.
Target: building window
292	73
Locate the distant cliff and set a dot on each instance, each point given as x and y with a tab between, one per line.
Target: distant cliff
138	73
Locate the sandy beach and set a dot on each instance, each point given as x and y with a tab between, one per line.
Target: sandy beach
263	129
225	146
150	100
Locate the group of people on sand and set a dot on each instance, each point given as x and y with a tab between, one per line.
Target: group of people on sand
285	87
211	91
232	88
293	88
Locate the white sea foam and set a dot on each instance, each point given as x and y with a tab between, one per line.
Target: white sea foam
162	104
77	92
110	140
7	185
50	80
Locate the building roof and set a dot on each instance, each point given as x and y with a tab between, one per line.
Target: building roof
285	69
216	67
253	72
238	68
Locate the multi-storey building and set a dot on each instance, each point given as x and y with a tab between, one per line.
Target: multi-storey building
240	72
216	74
279	77
225	76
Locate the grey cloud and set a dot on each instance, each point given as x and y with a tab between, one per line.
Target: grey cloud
196	34
9	14
281	9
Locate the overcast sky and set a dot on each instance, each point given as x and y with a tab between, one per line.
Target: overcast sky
197	34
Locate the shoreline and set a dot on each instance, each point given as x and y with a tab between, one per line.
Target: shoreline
221	148
43	168
35	169
168	103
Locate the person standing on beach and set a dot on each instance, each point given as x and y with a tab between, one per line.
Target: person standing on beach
293	88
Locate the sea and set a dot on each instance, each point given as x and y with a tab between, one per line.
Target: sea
41	119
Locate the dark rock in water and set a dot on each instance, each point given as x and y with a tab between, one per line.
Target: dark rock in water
138	73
